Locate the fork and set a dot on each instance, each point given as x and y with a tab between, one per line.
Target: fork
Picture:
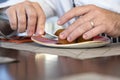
50	36
3	35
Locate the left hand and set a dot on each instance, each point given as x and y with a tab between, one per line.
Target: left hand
93	20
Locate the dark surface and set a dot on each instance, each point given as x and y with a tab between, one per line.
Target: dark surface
31	66
5	27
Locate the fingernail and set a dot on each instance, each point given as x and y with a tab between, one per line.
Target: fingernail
62	35
85	36
37	34
29	34
41	32
58	22
69	39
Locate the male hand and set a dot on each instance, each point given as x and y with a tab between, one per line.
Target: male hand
92	20
27	16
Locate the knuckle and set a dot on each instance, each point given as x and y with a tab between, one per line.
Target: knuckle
32	15
22	22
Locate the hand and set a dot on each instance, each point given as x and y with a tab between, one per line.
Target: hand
27	16
92	21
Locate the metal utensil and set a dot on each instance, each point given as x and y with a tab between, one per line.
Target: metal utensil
50	36
4	35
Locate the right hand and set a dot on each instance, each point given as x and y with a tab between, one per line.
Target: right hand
27	16
89	25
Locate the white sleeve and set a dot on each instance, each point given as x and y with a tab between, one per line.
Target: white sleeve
9	3
48	7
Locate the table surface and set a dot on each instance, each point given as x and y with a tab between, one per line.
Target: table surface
36	62
109	50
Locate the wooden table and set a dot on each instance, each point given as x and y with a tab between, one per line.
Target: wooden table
32	66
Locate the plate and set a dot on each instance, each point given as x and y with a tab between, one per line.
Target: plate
98	41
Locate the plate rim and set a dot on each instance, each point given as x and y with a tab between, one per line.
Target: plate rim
75	45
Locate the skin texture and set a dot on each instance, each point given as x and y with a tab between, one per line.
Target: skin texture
27	16
105	21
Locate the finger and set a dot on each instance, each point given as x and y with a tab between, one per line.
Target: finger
78	22
11	13
41	19
94	32
79	31
31	19
75	12
21	19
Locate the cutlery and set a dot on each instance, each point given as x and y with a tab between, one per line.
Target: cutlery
50	36
4	36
